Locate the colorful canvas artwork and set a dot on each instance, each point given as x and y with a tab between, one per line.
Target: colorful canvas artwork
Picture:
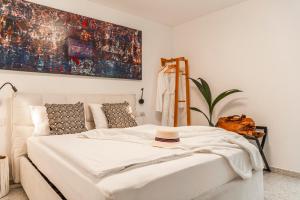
37	38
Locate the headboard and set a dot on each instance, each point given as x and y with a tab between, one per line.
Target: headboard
22	126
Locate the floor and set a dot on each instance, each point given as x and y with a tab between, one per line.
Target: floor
277	187
280	187
16	194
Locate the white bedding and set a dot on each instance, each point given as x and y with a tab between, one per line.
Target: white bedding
188	176
132	148
197	174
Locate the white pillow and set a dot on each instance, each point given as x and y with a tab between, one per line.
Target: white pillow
40	120
98	115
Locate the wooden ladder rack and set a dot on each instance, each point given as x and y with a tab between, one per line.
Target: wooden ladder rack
185	73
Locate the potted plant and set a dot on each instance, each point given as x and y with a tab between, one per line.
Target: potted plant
204	89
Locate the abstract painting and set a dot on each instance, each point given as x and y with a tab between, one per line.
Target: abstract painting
37	38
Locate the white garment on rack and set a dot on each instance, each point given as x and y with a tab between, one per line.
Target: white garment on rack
165	98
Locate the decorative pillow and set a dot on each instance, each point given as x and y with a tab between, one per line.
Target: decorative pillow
98	115
66	118
119	115
40	120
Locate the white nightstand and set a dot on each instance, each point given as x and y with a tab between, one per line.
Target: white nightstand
4	176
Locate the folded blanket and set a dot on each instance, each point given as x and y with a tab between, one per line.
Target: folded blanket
108	151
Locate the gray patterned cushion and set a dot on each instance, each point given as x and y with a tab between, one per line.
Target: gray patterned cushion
118	115
66	118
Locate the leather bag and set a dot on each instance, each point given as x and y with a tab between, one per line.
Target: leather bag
239	124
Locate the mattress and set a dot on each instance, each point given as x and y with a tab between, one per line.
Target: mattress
191	177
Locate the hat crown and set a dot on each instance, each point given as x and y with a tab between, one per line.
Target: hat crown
166	138
167	134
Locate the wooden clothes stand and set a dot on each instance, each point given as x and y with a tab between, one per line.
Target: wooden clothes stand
174	64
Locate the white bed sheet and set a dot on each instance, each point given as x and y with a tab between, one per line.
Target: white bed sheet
191	177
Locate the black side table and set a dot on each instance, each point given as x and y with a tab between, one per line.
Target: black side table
261	145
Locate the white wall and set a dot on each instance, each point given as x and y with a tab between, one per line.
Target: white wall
254	46
156	44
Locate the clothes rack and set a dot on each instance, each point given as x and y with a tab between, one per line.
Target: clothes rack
173	65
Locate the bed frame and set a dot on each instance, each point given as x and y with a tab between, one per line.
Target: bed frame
37	186
238	189
31	179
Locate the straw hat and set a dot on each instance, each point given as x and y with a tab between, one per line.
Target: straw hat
166	138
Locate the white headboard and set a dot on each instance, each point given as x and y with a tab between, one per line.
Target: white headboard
22	126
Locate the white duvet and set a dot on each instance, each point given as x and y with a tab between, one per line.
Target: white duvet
104	152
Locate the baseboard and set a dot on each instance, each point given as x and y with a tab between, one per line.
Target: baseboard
285	172
14	185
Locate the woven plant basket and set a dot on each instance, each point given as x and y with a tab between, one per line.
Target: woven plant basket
4	176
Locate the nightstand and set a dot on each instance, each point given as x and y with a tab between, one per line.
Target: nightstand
260	145
4	176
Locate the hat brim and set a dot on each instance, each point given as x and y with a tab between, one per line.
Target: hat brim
165	144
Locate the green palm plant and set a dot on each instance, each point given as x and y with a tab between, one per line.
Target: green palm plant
204	89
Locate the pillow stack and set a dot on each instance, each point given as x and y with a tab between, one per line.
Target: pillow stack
113	115
58	119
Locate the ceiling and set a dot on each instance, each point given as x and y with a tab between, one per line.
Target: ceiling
169	12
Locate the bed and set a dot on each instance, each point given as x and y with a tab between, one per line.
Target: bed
200	176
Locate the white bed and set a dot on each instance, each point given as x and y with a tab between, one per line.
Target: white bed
201	176
193	176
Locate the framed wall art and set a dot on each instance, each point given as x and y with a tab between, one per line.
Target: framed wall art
37	38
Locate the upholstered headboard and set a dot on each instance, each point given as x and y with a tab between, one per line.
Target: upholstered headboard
22	126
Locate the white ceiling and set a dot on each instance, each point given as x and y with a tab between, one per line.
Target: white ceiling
169	12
